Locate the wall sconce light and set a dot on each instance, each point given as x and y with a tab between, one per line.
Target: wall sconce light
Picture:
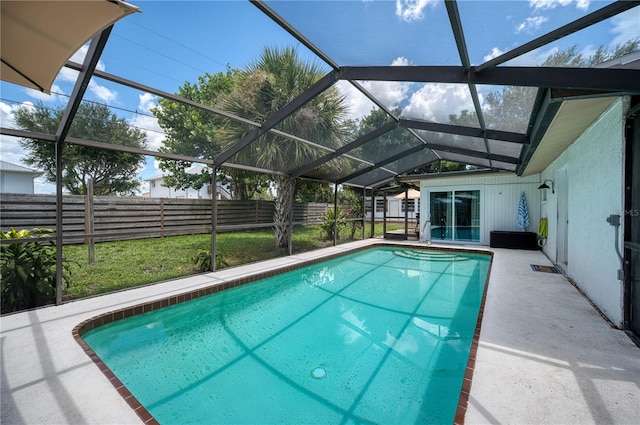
545	186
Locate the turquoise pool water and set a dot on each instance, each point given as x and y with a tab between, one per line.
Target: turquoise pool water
377	336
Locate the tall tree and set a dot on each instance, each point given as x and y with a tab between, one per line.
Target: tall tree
112	172
194	132
277	77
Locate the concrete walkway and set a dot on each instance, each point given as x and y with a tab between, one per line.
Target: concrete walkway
545	355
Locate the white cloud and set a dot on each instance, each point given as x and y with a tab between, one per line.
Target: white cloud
147	102
103	93
390	93
149	124
626	26
533	58
46	98
435	102
81	53
10	149
69	75
494	53
412	10
358	105
6	115
400	61
531	24
552	4
156	168
582	4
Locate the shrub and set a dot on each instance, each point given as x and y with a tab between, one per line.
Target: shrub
327	223
28	271
202	260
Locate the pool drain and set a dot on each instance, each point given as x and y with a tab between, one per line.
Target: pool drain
318	373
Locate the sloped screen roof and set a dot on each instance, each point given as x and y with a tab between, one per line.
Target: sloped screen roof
442	73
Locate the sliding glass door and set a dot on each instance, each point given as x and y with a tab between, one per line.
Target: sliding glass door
455	215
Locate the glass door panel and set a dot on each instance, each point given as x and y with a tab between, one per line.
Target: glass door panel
467	210
441	215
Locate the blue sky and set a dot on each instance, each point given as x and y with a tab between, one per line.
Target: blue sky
171	42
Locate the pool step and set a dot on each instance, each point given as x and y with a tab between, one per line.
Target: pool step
430	255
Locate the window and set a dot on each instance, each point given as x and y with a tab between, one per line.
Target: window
379	205
408	205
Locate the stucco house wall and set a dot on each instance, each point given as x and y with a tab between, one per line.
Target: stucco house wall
589	175
588	183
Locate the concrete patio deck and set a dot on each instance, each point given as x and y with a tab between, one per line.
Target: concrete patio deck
545	355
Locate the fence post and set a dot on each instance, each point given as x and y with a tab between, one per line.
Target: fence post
373	213
384	215
406	214
162	217
89	220
364	209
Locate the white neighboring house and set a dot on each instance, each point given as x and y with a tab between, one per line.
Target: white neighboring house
17	179
157	189
397	206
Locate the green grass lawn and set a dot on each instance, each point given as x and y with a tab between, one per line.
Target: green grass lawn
126	264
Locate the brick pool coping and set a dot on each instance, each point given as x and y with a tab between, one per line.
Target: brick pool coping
119	314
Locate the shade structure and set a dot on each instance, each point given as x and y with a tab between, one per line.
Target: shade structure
413	194
39	37
523	213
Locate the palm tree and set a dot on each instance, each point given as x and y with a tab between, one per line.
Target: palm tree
268	84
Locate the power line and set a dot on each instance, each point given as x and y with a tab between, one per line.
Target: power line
134	65
160	53
177	43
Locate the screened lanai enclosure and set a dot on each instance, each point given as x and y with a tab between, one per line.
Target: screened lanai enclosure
407	85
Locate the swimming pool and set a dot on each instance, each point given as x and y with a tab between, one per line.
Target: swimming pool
378	336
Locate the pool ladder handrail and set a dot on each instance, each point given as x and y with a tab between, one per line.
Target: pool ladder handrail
422	233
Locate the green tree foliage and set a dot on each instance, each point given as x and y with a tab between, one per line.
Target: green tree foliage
313	191
390	143
194	132
398	140
277	77
509	108
113	172
441	166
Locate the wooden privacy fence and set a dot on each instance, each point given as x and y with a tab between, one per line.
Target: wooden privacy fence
117	218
